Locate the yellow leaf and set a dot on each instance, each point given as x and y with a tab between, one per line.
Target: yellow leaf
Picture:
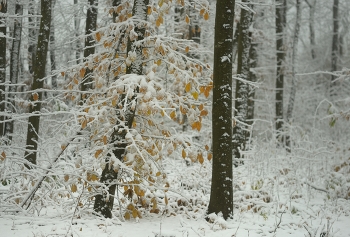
3	156
83	124
134	124
204	113
173	114
62	74
104	139
187	49
206	92
76	81
73	188
200	158
162	113
98	36
188	87
166	200
127	216
187	19
210	156
206	147
82	72
149	10
201	107
160	3
183	154
66	177
201	12
195	95
134	213
35	96
159	62
98	152
206	16
158	174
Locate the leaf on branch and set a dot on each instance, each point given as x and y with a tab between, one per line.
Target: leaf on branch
3	156
82	72
197	125
201	12
98	152
183	154
195	95
187	49
188	87
104	139
206	16
73	188
187	19
149	10
98	36
204	113
200	158
66	178
35	96
206	147
62	74
173	115
210	156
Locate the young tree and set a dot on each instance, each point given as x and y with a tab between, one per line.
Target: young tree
242	87
52	49
312	6
104	202
38	83
14	64
281	21
221	195
294	56
3	11
335	45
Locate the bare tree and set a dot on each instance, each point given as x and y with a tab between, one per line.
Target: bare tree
3	11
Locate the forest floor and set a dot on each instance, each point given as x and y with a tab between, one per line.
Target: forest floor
275	196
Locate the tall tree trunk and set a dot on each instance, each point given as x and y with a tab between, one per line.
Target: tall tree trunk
91	21
335	45
104	202
76	29
221	193
3	25
242	88
312	6
32	40
14	64
39	74
281	20
294	56
52	50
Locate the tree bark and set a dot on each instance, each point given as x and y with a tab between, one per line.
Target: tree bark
3	25
221	194
76	28
14	65
242	88
335	45
32	40
91	21
281	12
39	74
104	202
294	56
52	50
312	6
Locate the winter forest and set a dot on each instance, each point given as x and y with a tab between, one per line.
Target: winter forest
167	118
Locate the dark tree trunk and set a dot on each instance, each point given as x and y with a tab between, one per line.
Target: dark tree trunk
221	194
294	56
39	73
76	28
52	50
104	202
14	65
253	58
281	12
335	46
312	6
3	47
242	88
32	40
91	21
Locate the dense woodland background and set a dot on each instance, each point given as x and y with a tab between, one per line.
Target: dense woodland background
106	105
